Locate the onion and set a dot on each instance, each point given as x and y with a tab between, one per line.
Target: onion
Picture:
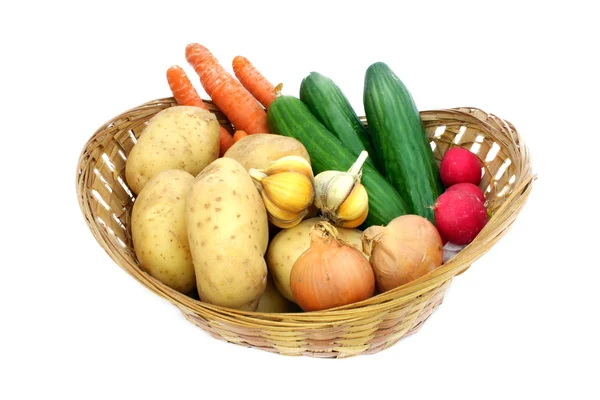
331	272
406	249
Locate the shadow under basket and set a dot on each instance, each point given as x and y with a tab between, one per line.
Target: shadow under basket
360	328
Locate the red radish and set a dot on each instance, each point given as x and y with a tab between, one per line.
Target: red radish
468	187
459	216
460	165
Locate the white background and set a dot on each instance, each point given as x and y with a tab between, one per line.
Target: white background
521	323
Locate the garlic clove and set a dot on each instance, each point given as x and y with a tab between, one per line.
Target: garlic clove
277	212
355	204
338	191
290	223
291	191
322	182
355	222
332	188
289	164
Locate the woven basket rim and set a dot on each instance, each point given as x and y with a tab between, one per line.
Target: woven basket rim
458	264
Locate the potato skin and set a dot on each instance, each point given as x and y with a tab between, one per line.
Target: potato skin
274	302
289	244
180	137
159	232
228	235
261	149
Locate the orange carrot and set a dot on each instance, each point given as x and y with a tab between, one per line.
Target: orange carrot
240	107
225	141
253	80
185	95
182	88
238	135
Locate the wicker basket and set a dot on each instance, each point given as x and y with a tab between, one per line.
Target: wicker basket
361	328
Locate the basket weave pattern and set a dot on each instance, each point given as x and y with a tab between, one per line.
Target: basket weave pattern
360	328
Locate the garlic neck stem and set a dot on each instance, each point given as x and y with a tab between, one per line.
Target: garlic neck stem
357	166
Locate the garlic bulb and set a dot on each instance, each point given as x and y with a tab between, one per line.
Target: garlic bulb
341	197
286	187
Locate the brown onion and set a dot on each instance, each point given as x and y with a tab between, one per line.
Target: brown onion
406	249
331	272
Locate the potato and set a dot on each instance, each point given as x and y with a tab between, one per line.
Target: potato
273	302
181	137
289	244
261	149
228	235
158	230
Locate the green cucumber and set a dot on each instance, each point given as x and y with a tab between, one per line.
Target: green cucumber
329	105
400	140
289	116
